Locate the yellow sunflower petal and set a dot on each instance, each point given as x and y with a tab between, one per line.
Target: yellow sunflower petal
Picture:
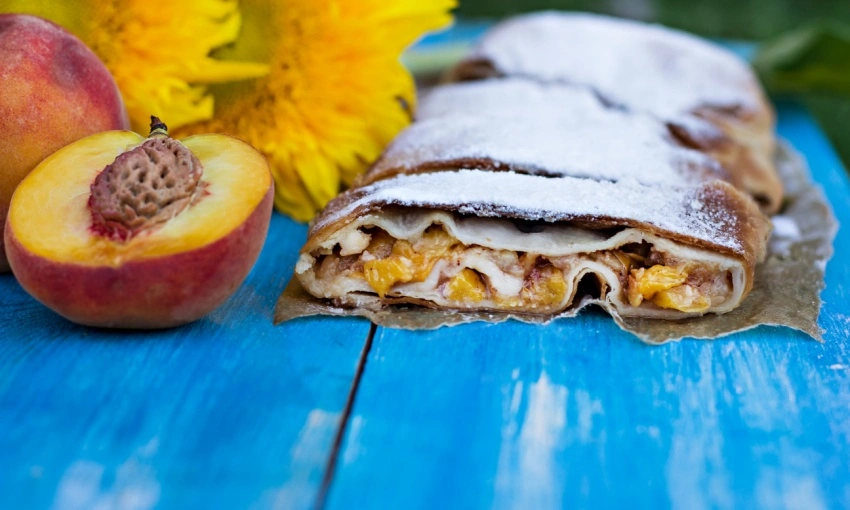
336	92
158	53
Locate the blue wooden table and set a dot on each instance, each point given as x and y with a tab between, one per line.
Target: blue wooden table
233	412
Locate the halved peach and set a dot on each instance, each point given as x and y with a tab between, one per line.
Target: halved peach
95	231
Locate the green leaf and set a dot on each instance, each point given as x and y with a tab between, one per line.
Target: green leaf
812	58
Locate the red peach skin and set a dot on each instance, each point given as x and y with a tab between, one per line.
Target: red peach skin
54	91
159	292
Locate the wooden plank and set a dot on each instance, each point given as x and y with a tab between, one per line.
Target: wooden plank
579	414
228	412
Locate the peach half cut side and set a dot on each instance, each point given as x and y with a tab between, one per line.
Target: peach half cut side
170	275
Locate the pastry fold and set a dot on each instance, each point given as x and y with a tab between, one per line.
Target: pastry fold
708	97
531	244
527	127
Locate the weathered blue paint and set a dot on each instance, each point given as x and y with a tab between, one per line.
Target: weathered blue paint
225	413
580	415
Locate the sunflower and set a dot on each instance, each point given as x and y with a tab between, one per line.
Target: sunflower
158	53
336	92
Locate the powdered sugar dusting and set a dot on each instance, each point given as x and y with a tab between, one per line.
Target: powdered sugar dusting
649	68
785	227
508	96
550	130
499	194
785	234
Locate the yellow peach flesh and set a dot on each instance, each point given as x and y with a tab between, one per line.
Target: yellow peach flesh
52	220
466	287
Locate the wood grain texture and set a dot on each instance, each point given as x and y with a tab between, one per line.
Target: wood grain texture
229	412
579	414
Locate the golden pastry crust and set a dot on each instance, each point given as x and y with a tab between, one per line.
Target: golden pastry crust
743	136
745	229
526	127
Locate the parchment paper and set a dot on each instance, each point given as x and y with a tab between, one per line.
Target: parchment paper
786	291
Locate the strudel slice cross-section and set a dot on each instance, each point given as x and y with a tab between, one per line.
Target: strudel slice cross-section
530	244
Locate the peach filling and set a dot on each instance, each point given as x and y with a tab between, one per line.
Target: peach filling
404	263
647	275
669	283
666	287
466	286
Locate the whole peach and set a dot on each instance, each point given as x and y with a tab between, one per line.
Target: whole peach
54	91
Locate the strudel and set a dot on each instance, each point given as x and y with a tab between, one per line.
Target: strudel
532	193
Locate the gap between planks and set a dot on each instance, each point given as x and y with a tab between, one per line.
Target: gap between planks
330	467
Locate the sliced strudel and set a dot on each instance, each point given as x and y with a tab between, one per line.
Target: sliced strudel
529	244
536	193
